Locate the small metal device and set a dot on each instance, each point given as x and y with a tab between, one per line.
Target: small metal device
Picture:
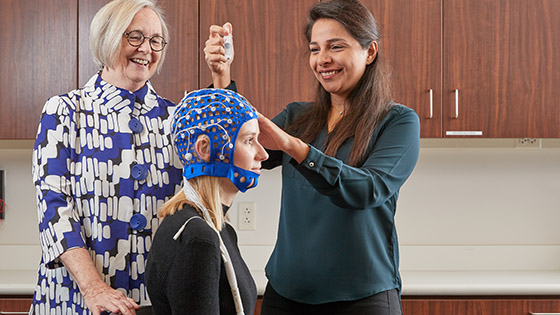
228	47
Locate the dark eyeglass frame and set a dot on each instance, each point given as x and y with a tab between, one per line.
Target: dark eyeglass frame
150	40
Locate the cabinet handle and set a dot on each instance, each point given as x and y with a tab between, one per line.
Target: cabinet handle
531	313
431	103
456	104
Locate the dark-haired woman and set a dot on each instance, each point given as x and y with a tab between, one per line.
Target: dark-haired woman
344	158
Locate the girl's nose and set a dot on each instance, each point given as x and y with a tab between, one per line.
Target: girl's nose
262	155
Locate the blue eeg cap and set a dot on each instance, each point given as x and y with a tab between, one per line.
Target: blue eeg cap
219	114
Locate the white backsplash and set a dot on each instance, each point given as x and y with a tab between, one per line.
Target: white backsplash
462	209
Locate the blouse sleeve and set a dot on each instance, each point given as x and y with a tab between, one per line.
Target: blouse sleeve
274	156
390	163
59	222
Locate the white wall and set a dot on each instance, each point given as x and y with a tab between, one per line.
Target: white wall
469	205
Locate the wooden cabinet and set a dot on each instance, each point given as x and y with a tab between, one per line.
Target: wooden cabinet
86	66
47	53
480	306
258	306
491	65
180	69
503	58
38	61
270	65
412	41
473	305
482	67
15	305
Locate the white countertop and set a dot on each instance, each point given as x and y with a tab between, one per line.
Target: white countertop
17	282
22	282
481	282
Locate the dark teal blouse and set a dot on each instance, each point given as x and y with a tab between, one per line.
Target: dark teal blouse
336	238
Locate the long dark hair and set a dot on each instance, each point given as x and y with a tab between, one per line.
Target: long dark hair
371	99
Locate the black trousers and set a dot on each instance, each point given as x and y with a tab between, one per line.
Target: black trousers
384	303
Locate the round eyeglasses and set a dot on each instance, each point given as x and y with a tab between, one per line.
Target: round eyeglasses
136	38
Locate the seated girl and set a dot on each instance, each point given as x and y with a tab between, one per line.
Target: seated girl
194	265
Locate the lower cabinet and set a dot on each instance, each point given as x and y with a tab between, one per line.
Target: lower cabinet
258	306
15	305
522	305
412	305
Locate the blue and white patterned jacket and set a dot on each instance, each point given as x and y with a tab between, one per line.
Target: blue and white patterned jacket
88	195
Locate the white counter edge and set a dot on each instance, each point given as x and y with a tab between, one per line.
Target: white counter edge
23	282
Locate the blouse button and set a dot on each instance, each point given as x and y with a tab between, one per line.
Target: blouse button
138	222
311	164
139	172
135	125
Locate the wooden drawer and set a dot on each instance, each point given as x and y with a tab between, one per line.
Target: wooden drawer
15	304
480	306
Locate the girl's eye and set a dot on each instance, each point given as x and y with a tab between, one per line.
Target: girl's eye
337	47
313	49
250	140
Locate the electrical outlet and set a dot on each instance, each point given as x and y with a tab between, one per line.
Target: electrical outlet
528	143
246	216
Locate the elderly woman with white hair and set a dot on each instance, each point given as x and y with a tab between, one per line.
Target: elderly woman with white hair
102	165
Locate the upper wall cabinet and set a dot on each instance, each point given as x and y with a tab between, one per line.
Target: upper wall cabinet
180	69
47	53
502	67
270	64
38	61
480	68
411	44
86	66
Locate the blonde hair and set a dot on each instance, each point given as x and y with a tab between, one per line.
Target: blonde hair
208	189
109	24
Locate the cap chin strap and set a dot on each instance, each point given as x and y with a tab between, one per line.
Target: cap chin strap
192	196
241	178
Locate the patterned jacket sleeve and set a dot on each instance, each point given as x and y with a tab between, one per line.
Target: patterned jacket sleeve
59	221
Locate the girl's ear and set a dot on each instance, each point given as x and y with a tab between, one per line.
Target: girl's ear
202	147
372	52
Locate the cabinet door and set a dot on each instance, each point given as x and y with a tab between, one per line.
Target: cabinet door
520	306
543	306
411	39
466	306
86	66
180	68
441	307
38	61
503	58
15	305
270	66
